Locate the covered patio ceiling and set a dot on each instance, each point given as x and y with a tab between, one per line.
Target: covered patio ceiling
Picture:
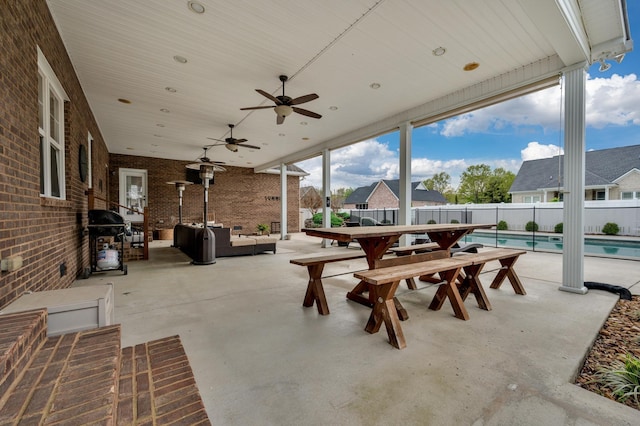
131	50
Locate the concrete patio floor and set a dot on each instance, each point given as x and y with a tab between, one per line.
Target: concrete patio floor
260	358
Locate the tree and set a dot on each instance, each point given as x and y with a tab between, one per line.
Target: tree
440	182
498	186
311	199
473	183
338	196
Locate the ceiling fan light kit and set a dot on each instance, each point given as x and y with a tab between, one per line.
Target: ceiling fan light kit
283	110
284	105
231	143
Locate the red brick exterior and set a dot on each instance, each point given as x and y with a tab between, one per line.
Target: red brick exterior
382	197
237	197
47	233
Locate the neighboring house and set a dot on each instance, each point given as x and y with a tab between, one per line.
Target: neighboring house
610	174
386	194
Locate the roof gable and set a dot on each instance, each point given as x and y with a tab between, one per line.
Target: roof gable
603	167
362	194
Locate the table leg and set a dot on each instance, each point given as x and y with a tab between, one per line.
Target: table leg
471	284
450	290
507	271
384	310
315	291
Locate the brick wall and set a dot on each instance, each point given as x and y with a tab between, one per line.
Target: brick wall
382	197
44	231
238	196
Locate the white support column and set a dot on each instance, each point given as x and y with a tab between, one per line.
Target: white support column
326	193
405	179
574	170
283	201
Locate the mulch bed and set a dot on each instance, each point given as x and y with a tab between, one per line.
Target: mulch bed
619	336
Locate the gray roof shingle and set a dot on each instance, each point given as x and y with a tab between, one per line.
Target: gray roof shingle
603	167
361	195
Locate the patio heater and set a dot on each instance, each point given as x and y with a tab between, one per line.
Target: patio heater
205	239
180	186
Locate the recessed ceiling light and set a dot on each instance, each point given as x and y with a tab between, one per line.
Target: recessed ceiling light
170	89
196	7
303	123
305	139
374	86
164	110
180	59
471	66
160	125
124	101
439	51
129	148
333	108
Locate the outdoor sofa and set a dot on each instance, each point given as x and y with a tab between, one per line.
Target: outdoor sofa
225	243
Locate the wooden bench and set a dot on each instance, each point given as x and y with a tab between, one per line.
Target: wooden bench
383	283
315	266
385	279
417	248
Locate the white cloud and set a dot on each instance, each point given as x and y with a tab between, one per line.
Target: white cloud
609	101
613	101
355	165
534	151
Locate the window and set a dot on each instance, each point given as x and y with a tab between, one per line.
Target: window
51	99
630	195
600	195
363	206
531	199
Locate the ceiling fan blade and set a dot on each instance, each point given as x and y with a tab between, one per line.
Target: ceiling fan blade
269	95
257	107
303	99
306	112
249	146
240	140
279	119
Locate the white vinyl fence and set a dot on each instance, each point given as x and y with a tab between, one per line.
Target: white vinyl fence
626	214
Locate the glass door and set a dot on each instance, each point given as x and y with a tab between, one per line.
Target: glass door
133	194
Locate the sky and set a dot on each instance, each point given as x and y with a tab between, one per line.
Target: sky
502	135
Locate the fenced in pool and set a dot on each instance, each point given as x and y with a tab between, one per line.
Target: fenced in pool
600	246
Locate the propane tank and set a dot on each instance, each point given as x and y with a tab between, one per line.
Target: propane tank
108	259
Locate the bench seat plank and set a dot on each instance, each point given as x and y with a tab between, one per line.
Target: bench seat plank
406	250
315	266
321	260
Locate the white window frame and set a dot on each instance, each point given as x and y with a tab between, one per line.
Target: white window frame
51	129
635	195
531	199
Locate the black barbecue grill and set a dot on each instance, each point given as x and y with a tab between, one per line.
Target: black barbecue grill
106	223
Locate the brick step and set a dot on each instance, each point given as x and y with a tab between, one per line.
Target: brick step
21	334
86	378
157	386
71	379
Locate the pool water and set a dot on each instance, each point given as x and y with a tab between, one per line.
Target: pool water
544	242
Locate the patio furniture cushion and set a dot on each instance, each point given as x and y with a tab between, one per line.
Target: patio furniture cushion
237	242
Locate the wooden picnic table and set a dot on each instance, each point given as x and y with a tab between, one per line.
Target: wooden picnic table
376	240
